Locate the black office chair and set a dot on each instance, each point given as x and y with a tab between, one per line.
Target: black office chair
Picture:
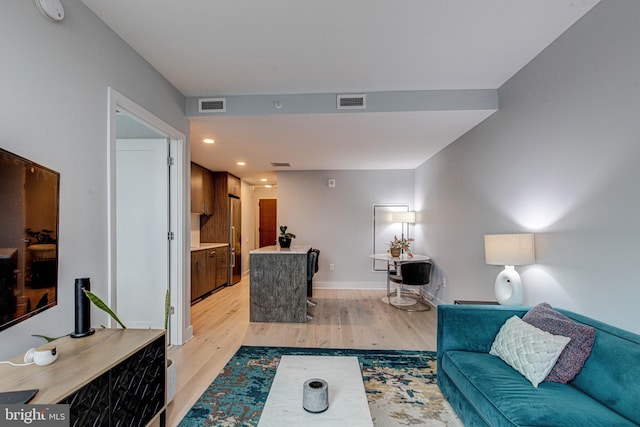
312	268
412	273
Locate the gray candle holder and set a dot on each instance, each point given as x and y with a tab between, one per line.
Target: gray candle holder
315	396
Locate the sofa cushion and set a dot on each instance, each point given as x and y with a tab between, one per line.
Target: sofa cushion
574	355
502	397
611	374
529	350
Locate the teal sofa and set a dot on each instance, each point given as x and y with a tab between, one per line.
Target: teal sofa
485	391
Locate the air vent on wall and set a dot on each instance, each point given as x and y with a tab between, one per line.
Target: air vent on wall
212	105
352	102
281	164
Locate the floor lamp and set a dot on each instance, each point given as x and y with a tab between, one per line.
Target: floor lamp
403	218
509	250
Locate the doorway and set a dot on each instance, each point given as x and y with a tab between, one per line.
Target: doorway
142	219
267	227
171	229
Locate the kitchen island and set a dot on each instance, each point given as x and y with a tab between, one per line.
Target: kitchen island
278	284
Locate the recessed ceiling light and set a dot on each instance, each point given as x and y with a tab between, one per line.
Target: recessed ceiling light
263	179
241	163
208	141
268	186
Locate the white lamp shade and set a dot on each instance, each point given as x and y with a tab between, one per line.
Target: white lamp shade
509	249
404	217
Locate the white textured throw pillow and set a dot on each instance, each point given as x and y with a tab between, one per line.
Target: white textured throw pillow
527	349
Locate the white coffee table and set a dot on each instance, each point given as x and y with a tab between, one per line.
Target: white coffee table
348	404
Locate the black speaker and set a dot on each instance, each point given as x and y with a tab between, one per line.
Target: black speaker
83	309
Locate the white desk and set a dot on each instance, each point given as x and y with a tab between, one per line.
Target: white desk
348	404
402	258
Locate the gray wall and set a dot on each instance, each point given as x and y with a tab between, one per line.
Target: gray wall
339	220
54	80
560	159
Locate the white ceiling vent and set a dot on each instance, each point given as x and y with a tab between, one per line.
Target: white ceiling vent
281	164
212	105
352	102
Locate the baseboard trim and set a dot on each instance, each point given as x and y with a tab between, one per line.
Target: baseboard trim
188	334
349	285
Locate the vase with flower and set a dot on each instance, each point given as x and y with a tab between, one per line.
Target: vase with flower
397	246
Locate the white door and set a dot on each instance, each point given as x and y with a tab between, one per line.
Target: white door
142	224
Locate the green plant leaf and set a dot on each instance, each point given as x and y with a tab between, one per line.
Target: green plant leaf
46	338
102	306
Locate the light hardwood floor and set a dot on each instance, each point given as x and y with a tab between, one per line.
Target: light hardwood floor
342	319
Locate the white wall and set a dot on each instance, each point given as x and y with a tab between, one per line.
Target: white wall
339	220
54	80
251	195
560	158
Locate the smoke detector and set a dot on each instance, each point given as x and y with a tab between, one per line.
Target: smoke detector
51	9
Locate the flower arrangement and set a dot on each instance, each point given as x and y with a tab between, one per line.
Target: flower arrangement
398	245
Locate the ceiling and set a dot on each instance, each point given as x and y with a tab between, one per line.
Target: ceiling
255	50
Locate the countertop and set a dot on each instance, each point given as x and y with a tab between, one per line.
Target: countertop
205	246
278	250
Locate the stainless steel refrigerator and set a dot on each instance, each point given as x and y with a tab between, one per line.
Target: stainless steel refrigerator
235	233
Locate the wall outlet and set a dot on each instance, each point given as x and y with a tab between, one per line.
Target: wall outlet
332	267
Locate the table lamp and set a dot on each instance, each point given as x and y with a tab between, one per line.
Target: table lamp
509	250
404	218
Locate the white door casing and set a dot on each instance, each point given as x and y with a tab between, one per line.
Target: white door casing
180	329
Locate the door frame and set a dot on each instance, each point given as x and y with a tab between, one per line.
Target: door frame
179	209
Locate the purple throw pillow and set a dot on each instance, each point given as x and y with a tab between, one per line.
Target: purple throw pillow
575	354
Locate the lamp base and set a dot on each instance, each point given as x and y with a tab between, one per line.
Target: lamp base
508	287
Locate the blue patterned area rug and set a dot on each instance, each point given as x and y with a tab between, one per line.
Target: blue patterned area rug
400	385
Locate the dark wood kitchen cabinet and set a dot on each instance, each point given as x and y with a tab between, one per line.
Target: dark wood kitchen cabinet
233	184
222	263
216	227
208	270
198	274
202	196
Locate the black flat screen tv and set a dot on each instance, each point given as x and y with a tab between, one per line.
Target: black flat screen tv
29	214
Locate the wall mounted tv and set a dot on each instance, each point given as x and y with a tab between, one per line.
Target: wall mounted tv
29	197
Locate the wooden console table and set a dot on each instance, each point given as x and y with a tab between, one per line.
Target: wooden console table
113	377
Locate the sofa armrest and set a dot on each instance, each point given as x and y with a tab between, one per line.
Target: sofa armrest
471	327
